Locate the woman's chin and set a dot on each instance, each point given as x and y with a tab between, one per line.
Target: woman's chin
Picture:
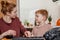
13	17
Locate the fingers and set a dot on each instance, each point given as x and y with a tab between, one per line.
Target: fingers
9	32
27	34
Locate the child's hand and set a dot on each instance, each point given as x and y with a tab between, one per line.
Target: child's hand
27	34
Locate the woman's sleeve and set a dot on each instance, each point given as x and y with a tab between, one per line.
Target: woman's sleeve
0	29
22	29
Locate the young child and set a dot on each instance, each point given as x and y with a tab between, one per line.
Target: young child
41	27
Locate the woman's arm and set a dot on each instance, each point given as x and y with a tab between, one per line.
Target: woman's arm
23	30
9	32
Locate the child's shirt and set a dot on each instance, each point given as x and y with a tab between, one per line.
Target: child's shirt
41	30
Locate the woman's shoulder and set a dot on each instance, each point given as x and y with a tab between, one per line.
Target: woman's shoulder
17	18
1	20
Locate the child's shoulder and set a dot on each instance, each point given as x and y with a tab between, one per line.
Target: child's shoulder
49	26
35	27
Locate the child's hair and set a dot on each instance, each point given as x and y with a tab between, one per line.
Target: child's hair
7	7
43	12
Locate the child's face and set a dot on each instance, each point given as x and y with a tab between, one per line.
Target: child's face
39	17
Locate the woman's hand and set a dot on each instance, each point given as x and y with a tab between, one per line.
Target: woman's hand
28	34
9	32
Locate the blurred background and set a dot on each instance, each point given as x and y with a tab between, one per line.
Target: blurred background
28	7
26	10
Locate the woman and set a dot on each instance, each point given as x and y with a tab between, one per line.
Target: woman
9	23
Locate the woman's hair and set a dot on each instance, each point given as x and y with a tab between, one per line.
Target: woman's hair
7	7
43	12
